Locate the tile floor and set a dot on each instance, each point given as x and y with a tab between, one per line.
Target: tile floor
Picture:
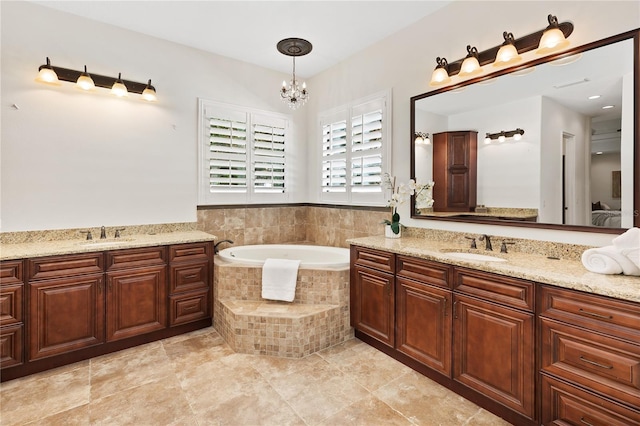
196	379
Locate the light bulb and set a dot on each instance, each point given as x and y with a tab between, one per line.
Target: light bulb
552	38
470	66
502	138
149	93
85	82
487	140
46	74
118	88
440	75
517	137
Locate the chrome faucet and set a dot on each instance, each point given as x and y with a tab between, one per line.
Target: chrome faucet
487	242
103	233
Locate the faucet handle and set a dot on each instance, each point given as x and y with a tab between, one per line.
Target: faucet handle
118	232
89	236
473	242
503	246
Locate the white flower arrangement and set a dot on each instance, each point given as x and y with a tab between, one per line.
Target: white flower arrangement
402	193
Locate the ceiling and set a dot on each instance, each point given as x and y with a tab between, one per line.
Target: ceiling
249	30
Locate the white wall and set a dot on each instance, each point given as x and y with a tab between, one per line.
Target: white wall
601	181
405	60
73	159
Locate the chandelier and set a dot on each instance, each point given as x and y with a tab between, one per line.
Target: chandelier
294	95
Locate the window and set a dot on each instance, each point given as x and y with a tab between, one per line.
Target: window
355	151
242	154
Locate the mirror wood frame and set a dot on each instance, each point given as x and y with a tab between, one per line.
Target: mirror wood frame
635	36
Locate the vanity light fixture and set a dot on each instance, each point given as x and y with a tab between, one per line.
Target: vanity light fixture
85	82
502	135
507	54
53	74
119	89
470	66
553	38
46	74
422	138
445	70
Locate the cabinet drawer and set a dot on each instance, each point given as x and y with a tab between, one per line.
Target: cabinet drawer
424	271
134	258
11	304
189	277
65	266
380	260
598	362
190	252
11	345
188	307
592	311
563	404
11	272
495	288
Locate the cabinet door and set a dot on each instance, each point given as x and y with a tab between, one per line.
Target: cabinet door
494	352
11	345
65	315
373	304
424	324
136	302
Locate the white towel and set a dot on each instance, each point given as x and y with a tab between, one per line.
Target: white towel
279	278
629	245
608	260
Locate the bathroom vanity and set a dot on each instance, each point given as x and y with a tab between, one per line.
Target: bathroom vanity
64	301
532	339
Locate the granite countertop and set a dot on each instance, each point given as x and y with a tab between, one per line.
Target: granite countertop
61	247
567	273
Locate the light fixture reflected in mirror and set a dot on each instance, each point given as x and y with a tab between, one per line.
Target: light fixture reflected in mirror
421	138
149	93
502	136
85	82
507	54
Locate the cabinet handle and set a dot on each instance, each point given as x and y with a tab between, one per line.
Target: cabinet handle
100	285
583	420
597	364
455	312
445	307
189	277
593	314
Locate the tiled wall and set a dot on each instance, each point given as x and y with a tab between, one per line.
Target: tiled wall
321	225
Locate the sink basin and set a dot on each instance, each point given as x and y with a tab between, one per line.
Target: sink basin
99	243
475	256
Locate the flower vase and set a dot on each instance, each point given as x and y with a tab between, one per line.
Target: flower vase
388	232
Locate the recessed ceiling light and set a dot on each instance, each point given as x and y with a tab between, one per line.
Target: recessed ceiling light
594	97
608	106
599	153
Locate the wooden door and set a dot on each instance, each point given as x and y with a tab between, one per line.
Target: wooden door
136	302
424	323
494	352
65	315
373	304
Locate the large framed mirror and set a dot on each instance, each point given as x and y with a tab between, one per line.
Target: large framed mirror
575	167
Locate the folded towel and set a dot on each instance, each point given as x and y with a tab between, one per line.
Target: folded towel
608	260
629	245
279	278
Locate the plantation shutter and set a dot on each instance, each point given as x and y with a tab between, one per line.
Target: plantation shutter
268	154
334	155
366	147
227	153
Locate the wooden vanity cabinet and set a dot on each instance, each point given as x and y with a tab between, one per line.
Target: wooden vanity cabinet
423	312
136	292
494	334
189	278
66	304
590	358
455	171
373	293
11	313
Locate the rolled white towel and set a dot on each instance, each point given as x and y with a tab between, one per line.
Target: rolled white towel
629	245
608	260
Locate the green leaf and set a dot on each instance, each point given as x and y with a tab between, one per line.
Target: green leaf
395	227
395	218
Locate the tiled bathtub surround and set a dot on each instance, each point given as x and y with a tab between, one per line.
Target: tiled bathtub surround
317	319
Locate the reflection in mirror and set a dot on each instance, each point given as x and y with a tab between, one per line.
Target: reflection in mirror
573	164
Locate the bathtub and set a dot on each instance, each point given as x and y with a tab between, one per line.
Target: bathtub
311	257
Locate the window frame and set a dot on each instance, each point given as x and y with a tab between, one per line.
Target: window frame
346	113
253	117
